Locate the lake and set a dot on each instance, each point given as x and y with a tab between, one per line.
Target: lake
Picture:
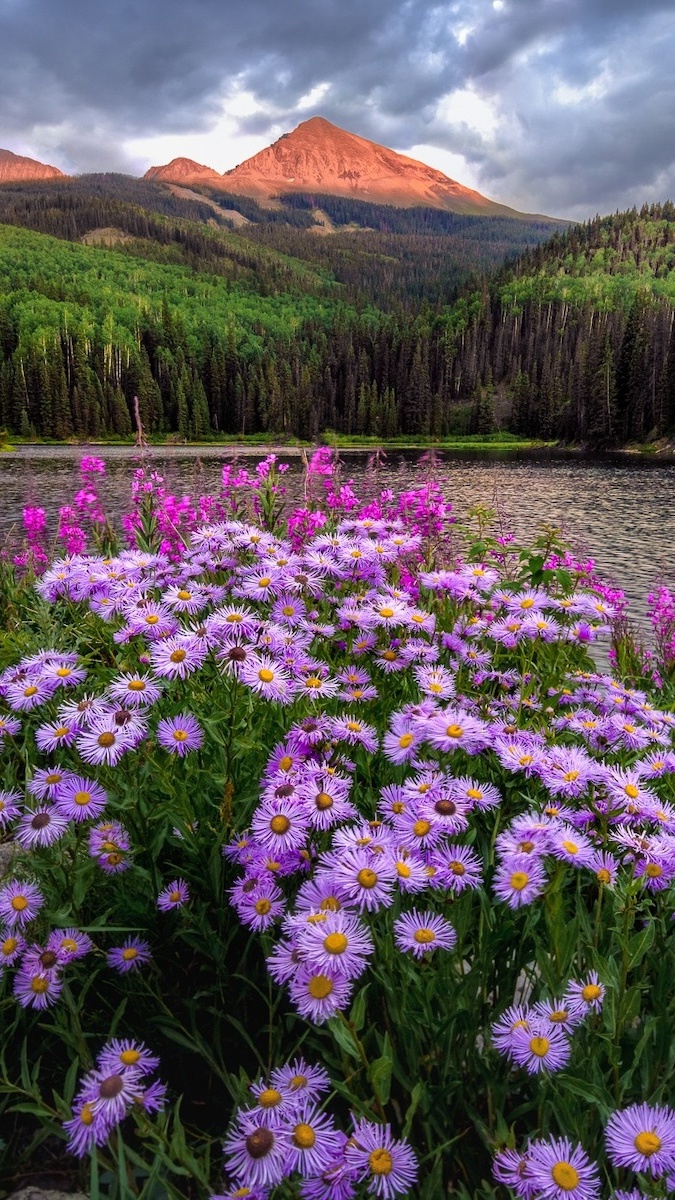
618	509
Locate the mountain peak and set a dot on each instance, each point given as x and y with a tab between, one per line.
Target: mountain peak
320	158
14	168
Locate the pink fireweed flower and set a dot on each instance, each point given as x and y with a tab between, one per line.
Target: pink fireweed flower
642	1138
519	879
388	1166
19	903
420	933
180	734
174	895
560	1171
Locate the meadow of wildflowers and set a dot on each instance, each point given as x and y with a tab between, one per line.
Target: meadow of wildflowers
335	864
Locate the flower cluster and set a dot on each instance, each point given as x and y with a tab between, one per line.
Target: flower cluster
539	1038
286	1134
107	1094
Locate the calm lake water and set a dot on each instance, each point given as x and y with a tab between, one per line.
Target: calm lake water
619	510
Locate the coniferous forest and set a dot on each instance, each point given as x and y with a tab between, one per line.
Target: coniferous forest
389	322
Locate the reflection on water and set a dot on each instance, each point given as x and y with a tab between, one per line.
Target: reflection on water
621	512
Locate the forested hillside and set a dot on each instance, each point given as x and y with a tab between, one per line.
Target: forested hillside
220	333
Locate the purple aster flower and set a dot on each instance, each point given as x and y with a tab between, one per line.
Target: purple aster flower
340	944
367	880
387	1165
79	799
132	954
45	782
314	1142
540	1047
69	944
256	1150
586	995
8	726
519	879
120	1054
176	657
355	732
512	1168
56	734
421	933
12	947
299	1079
175	895
517	1016
264	675
19	903
104	742
642	1138
134	690
459	868
280	825
36	988
561	1171
318	995
454	729
23	697
9	808
42	827
86	1129
111	1092
180	734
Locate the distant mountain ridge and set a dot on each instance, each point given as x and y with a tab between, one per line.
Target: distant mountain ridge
321	158
15	168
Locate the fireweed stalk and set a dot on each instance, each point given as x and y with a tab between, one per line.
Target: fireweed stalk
346	778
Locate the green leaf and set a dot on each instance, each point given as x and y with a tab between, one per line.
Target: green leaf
344	1037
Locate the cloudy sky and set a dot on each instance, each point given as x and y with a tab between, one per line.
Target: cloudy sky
564	107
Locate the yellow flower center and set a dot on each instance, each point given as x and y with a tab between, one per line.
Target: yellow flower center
39	985
129	1057
367	878
386	612
129	953
421	828
82	798
519	880
285	763
61	731
380	1162
323	801
335	943
653	870
136	685
454	731
354	726
304	1136
265	675
313	682
571	847
262	906
177	656
30	691
603	875
9	945
319	987
539	1046
280	824
269	1098
570	776
106	739
565	1176
591	992
647	1143
19	903
151	619
86	1115
183	595
179	735
424	936
631	791
405	740
403	870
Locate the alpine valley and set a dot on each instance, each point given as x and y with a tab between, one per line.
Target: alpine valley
326	284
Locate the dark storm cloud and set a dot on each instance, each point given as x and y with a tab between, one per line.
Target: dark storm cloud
583	89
